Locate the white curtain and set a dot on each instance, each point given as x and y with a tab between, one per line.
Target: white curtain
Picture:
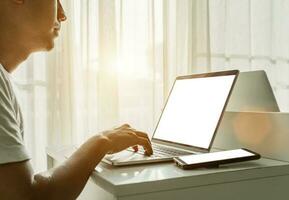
252	35
116	60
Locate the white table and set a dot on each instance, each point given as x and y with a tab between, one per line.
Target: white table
264	179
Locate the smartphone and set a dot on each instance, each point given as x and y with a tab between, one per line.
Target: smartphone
215	159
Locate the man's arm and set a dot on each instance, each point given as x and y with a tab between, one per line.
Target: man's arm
67	181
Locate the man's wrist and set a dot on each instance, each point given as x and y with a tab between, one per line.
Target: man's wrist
103	142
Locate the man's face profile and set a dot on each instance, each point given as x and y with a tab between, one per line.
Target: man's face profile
36	23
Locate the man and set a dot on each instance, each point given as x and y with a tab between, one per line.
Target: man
28	26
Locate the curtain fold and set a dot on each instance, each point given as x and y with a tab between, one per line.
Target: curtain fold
107	90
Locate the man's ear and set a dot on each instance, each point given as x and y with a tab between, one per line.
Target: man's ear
19	1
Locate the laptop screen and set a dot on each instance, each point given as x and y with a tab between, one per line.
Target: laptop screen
193	110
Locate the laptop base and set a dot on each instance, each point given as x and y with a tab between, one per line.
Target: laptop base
131	158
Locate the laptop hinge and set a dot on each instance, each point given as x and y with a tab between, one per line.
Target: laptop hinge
179	146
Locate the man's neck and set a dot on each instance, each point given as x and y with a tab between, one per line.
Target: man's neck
12	53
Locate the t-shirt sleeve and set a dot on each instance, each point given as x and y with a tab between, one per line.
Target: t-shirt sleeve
12	148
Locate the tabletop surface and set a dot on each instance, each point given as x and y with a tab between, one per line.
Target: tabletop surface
137	179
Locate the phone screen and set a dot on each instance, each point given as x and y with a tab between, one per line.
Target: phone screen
215	156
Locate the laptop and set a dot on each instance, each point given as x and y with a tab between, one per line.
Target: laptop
189	120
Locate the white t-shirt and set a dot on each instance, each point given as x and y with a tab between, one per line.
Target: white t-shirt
12	147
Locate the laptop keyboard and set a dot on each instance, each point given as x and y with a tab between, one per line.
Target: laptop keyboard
163	151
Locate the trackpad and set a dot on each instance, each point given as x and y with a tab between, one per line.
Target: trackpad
126	156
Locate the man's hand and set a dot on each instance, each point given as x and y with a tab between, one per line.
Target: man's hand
124	137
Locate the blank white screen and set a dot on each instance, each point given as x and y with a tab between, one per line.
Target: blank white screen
216	156
193	110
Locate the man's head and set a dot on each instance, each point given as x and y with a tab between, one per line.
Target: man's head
33	24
